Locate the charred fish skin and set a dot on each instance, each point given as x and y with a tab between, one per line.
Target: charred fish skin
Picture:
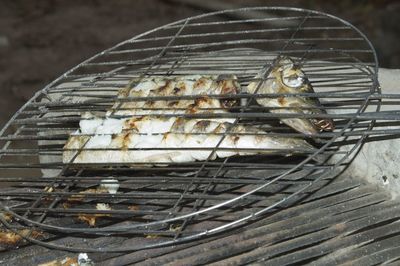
286	77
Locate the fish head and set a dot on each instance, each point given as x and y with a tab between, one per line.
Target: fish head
289	78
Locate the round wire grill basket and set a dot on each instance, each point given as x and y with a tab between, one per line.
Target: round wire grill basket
45	197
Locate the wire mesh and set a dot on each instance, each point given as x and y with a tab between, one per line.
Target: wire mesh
168	203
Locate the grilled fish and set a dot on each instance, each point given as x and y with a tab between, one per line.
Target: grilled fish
174	140
287	78
194	85
152	131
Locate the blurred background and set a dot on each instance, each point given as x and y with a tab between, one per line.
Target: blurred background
41	39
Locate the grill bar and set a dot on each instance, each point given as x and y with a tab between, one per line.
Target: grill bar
238	96
252	32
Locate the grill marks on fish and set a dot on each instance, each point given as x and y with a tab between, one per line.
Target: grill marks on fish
229	86
287	78
205	105
282	101
200	83
178	86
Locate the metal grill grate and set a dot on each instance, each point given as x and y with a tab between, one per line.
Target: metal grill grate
177	202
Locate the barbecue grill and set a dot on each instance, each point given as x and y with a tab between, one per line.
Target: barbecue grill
44	199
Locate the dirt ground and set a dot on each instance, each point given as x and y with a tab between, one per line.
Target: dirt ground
39	40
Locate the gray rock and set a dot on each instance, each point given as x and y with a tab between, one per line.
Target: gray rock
378	161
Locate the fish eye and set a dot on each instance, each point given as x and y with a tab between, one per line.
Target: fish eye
293	80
